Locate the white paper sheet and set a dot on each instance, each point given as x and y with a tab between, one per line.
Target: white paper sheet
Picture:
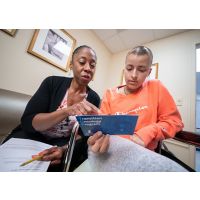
16	151
126	156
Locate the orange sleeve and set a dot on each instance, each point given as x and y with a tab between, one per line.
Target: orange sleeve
169	120
105	103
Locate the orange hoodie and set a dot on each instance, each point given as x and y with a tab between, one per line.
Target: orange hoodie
158	115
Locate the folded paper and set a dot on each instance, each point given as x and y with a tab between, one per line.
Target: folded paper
108	124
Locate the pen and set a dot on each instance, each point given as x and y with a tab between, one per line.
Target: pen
31	160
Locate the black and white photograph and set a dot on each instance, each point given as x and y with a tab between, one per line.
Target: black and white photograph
54	46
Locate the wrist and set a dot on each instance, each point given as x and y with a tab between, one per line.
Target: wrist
64	148
65	112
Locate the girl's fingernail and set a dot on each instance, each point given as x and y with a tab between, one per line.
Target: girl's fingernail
99	133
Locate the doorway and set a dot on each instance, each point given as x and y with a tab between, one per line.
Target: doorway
198	88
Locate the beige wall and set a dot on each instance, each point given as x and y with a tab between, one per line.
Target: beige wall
176	58
23	72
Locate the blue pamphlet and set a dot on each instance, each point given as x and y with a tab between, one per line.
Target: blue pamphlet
108	124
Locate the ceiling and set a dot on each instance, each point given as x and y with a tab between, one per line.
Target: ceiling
117	40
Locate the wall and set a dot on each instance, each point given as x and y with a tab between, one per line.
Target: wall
183	151
198	102
198	82
176	58
23	72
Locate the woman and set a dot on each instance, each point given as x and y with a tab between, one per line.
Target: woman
49	115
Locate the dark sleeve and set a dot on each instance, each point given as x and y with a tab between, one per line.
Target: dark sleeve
39	103
94	98
97	101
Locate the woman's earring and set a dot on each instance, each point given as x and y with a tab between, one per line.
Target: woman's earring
70	72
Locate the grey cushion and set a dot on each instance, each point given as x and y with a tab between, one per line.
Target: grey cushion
12	105
126	156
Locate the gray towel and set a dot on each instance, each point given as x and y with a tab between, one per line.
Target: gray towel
126	156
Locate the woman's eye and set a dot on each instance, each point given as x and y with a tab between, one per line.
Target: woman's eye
93	65
81	62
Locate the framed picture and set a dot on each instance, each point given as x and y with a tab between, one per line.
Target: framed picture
11	32
154	71
54	46
153	74
122	82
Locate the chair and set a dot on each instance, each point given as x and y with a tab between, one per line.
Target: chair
182	136
12	105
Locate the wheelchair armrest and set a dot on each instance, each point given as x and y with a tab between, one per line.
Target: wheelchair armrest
188	137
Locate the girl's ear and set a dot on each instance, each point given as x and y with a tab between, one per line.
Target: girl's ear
149	71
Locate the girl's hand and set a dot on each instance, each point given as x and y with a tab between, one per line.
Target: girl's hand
98	142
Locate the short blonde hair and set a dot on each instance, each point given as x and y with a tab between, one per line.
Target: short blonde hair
142	50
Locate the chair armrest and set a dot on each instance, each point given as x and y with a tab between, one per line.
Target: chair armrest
188	137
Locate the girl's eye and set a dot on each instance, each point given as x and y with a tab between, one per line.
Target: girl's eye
142	70
128	68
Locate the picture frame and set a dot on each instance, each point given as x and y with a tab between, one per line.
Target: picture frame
154	71
122	82
54	46
152	75
10	32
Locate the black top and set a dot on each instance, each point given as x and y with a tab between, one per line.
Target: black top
48	98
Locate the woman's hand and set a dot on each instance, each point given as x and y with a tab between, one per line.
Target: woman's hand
54	154
99	142
82	108
137	140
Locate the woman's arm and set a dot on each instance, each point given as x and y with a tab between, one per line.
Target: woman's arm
39	103
44	121
98	143
37	117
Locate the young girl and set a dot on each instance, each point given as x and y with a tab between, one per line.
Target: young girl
149	99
